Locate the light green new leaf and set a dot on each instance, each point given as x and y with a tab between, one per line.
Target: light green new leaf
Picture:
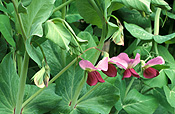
138	32
6	29
136	103
141	5
58	33
170	95
37	13
161	3
161	39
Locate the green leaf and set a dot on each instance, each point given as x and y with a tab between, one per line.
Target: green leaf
158	81
166	54
136	103
161	98
6	29
2	8
44	101
90	14
58	33
22	8
100	100
161	39
3	48
138	32
141	5
171	75
161	3
130	16
170	95
8	90
38	12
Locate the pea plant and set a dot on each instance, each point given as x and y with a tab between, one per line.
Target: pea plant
87	57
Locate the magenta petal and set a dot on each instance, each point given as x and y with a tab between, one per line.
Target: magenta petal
111	72
135	61
155	61
150	73
92	79
126	74
124	56
134	73
84	64
103	64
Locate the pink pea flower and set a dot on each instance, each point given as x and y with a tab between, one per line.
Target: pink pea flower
150	72
93	75
122	60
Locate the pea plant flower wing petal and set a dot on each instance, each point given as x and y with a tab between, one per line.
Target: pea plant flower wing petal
85	64
155	61
135	61
103	64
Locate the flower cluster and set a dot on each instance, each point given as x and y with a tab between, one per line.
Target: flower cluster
122	61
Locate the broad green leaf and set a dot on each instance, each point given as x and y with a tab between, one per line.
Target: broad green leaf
130	16
72	14
161	39
90	14
158	81
58	33
138	32
6	29
26	2
162	110
136	103
161	3
170	95
170	15
8	90
100	100
144	49
3	48
38	12
44	101
114	6
22	8
141	5
2	8
171	75
161	98
166	54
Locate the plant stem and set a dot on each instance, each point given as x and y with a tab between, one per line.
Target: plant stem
62	5
19	63
22	83
156	28
63	9
78	90
129	86
50	82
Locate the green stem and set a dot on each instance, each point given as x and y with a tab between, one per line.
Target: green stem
129	86
78	90
50	82
156	28
22	83
19	63
63	9
62	5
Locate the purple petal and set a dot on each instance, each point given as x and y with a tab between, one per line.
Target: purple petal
155	61
84	64
134	73
135	61
111	72
126	74
92	80
150	73
103	64
98	76
119	62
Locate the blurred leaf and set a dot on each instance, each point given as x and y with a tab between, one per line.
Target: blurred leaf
171	75
38	12
141	5
138	32
165	54
26	2
170	95
114	6
161	39
161	98
161	4
58	33
130	16
132	46
135	102
22	8
6	29
160	67
3	48
2	8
